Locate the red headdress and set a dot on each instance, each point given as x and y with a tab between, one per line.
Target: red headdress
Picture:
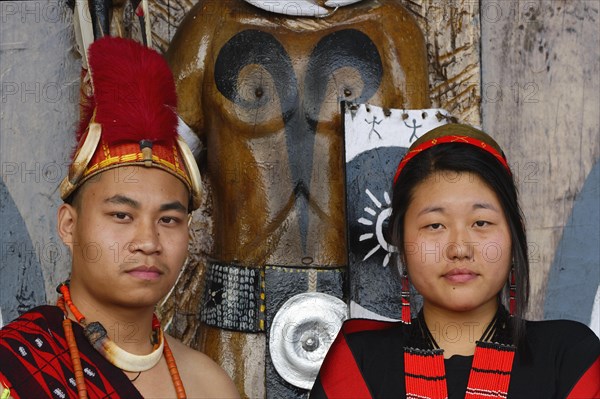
131	117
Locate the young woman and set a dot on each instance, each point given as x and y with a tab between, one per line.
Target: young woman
461	241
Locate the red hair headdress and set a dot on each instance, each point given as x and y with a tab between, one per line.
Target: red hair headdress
130	119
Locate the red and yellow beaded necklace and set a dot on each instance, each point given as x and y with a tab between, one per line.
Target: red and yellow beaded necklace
97	336
424	369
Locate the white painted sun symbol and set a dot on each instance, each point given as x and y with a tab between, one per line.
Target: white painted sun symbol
381	215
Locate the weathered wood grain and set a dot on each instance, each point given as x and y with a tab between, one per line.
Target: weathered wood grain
452	32
541	100
39	94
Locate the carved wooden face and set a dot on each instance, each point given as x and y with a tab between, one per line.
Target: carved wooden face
263	92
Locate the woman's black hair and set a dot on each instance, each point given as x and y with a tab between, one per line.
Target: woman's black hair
467	158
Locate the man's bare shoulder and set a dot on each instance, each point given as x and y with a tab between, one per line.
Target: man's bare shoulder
201	376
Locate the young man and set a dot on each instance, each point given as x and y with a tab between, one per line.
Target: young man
131	186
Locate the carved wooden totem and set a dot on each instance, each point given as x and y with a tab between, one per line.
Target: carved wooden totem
263	91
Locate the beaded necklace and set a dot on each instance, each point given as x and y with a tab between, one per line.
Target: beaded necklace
425	373
96	334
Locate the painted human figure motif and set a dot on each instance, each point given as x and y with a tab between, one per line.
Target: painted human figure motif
262	91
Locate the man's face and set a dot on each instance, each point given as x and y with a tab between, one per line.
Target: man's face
128	235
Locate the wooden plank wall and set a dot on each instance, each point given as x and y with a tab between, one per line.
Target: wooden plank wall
541	100
39	95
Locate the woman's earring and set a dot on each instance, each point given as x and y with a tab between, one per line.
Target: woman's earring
406	316
512	284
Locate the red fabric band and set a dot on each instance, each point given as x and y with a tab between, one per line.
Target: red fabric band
450	139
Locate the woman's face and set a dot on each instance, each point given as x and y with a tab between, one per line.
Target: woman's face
457	242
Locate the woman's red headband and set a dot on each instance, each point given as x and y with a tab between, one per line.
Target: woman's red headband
453	138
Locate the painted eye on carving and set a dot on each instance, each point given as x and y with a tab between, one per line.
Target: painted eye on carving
376	218
347	83
255	86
